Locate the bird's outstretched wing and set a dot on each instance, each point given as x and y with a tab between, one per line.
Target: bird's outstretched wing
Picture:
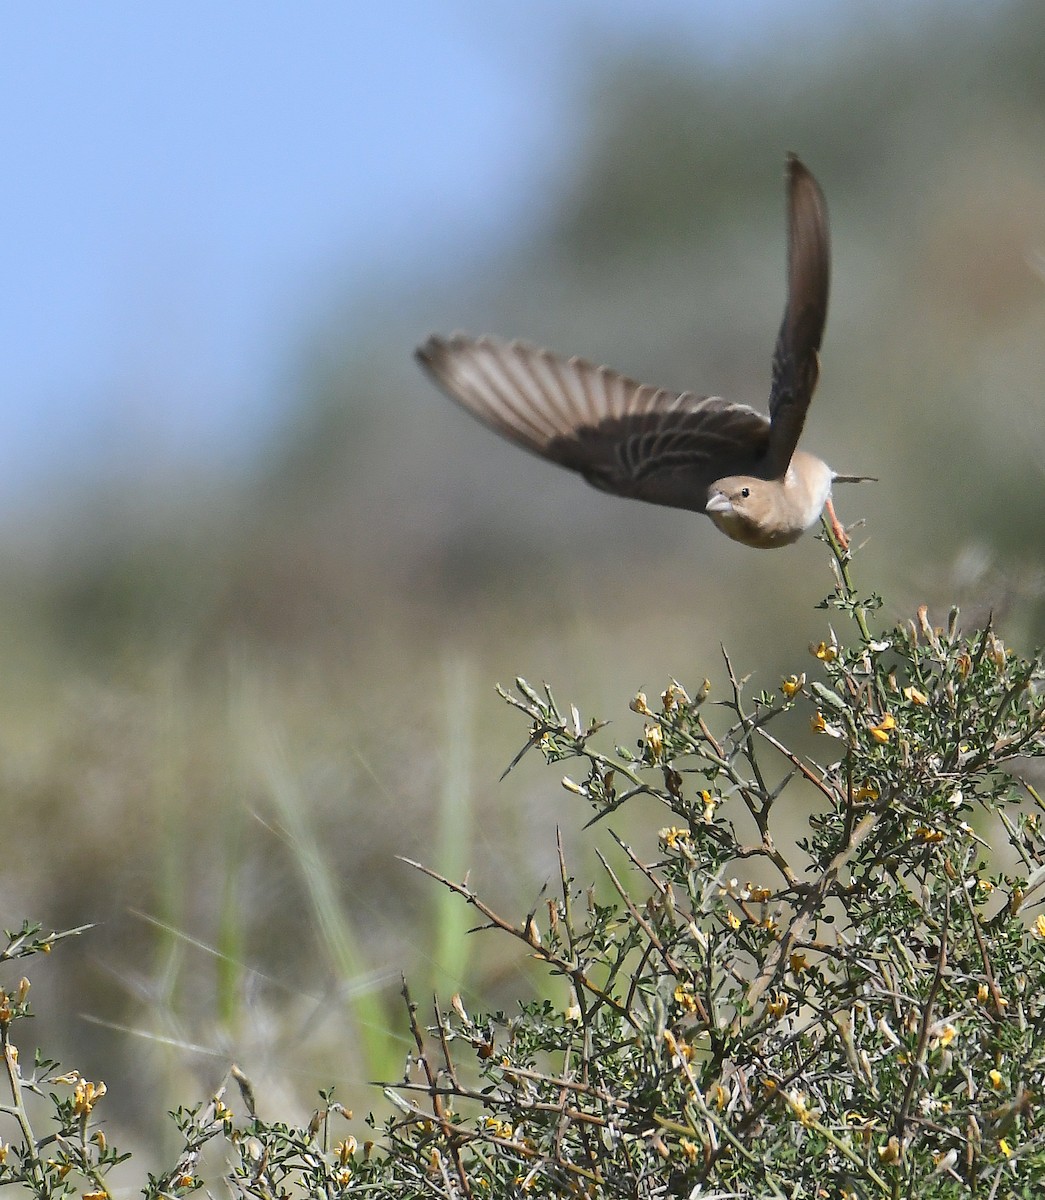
624	437
796	363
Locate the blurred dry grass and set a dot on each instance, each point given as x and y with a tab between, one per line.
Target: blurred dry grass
229	709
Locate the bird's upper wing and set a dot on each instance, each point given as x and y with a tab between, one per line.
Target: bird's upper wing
796	364
624	437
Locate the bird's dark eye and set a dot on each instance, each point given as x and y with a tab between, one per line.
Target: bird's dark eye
745	492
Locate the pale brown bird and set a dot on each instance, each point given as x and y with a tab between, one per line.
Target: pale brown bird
700	453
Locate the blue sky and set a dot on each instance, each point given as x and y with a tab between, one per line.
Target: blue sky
185	184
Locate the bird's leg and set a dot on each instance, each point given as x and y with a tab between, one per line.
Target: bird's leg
837	529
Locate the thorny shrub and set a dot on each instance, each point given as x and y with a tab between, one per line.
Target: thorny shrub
857	1011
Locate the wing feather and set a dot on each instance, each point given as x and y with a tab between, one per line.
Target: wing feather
796	362
624	437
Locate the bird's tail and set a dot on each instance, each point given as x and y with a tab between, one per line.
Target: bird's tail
854	479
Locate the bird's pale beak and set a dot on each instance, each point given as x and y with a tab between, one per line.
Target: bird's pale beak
718	502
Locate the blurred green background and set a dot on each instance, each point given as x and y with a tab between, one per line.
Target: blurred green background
231	695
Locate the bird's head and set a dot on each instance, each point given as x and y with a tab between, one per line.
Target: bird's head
752	511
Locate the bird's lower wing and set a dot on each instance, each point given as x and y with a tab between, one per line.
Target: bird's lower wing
624	437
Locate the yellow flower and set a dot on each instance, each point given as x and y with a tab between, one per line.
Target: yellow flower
686	1051
929	836
733	920
1039	925
689	1149
996	651
880	732
676	696
719	1096
982	993
866	791
800	1108
1004	1147
792	685
655	740
778	1006
890	1152
947	1035
673	837
710	804
824	652
498	1128
86	1096
915	696
684	997
798	962
997	1082
758	894
817	723
639	705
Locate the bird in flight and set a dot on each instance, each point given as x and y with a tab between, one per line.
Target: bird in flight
700	453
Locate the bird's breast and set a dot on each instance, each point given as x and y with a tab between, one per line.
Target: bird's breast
807	485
